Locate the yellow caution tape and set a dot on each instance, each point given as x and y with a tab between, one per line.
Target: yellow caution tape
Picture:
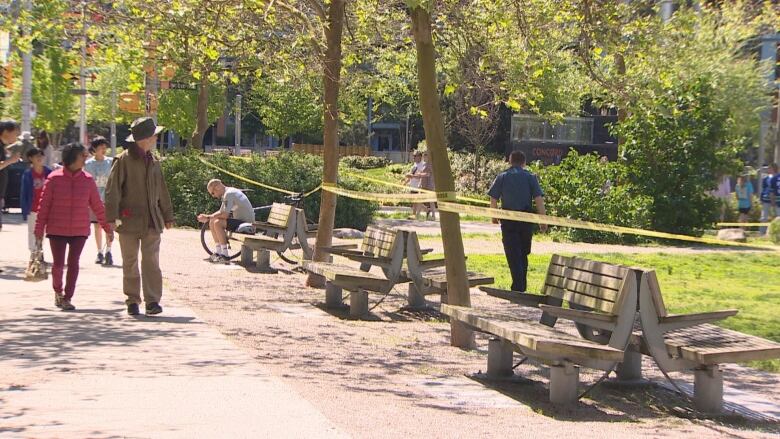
742	224
386	183
380	198
312	191
247	180
579	224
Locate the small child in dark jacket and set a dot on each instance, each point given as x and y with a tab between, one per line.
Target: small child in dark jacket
32	187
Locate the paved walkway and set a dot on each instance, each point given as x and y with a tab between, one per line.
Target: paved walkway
98	372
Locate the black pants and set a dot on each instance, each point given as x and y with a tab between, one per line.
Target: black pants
516	237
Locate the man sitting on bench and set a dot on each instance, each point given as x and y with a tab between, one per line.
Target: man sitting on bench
234	211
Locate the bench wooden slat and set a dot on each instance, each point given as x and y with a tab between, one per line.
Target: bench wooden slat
602	281
710	344
596	267
531	335
595	291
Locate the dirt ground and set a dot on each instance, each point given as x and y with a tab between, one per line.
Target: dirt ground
396	375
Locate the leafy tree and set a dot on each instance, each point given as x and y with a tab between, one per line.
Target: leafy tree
177	107
675	147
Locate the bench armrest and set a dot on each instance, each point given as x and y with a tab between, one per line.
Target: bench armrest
432	263
523	299
371	260
261	226
590	318
341	251
677	321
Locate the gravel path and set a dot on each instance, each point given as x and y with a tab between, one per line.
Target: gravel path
397	376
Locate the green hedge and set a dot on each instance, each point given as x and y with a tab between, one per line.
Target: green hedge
583	187
364	162
187	177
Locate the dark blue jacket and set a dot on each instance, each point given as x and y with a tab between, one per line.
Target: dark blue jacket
26	195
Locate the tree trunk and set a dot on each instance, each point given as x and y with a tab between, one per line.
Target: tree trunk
201	115
457	281
331	81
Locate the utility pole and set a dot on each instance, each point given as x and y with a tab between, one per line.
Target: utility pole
27	77
113	123
238	125
83	78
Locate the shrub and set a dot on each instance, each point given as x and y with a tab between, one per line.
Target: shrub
676	144
467	181
364	162
187	177
774	231
583	187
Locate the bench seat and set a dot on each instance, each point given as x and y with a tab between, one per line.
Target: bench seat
710	344
533	338
347	276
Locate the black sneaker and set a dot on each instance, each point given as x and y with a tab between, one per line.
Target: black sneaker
109	260
153	308
99	259
132	309
66	305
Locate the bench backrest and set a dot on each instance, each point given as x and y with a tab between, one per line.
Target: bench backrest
280	214
379	242
591	284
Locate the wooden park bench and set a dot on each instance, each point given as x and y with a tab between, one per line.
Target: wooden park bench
608	292
381	247
690	342
428	276
277	234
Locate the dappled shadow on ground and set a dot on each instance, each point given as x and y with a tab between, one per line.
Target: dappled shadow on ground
56	338
324	352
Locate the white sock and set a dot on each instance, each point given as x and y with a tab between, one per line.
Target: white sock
223	250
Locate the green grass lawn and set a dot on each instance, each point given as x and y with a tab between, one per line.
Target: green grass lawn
689	283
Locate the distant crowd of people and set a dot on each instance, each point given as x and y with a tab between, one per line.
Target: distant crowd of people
744	192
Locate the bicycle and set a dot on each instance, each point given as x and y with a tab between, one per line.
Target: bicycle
294	258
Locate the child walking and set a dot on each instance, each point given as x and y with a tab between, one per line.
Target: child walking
63	214
99	166
30	193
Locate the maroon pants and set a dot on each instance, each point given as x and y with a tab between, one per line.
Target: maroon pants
58	246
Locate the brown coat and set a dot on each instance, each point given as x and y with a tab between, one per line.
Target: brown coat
136	194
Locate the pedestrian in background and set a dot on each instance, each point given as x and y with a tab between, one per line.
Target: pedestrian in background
9	131
139	206
517	190
766	198
744	193
63	215
30	192
426	182
414	181
42	143
99	167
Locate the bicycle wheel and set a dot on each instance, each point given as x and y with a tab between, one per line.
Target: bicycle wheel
234	245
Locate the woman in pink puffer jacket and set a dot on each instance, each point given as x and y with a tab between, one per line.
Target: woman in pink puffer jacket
63	214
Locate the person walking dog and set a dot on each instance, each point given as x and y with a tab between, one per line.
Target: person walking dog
68	195
138	206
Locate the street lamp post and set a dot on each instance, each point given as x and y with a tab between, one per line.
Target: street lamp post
238	125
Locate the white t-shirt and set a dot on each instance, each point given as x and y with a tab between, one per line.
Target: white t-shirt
236	203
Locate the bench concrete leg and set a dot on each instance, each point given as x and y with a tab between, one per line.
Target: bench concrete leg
358	303
247	256
563	384
415	299
708	389
264	262
631	367
499	358
334	296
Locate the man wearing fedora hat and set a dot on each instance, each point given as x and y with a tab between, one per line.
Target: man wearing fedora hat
138	206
